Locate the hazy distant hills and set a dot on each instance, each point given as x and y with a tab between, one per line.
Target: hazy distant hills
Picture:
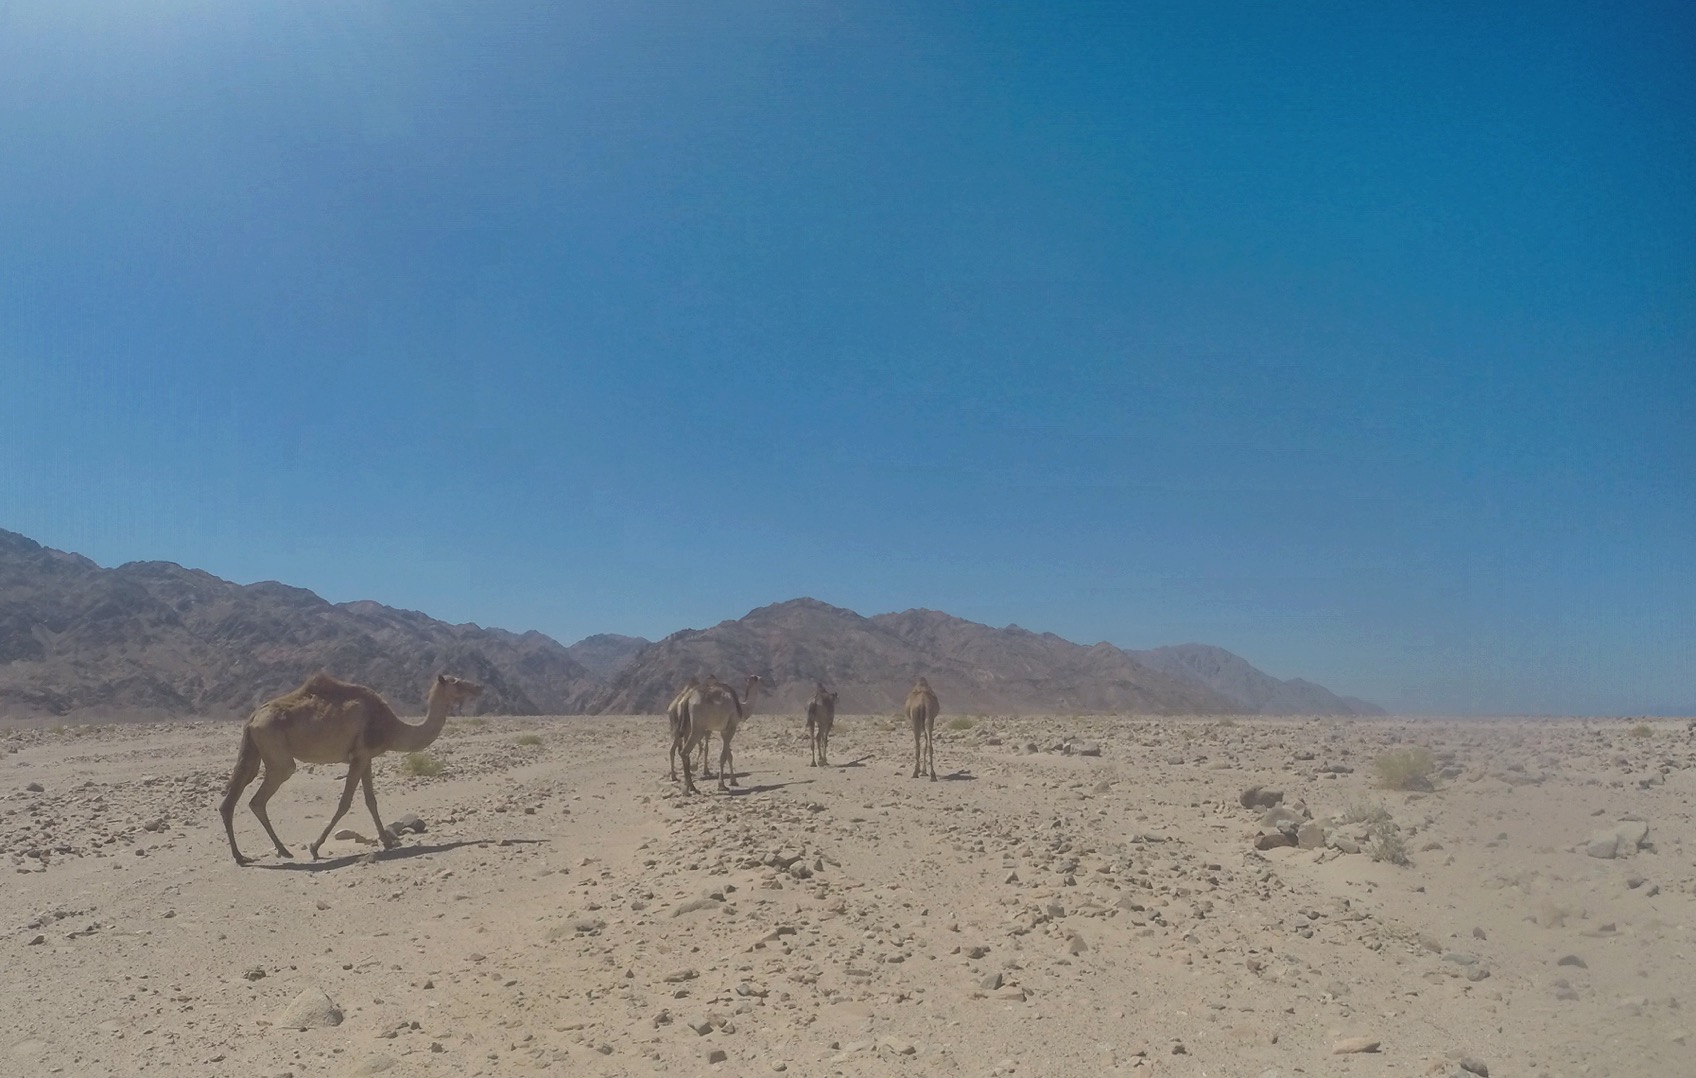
152	639
871	662
1256	691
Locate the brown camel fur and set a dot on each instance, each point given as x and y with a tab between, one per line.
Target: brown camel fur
326	721
680	729
713	707
821	716
922	707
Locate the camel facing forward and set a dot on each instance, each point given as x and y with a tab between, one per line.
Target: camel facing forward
922	707
326	721
821	716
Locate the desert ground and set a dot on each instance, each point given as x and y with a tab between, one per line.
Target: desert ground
1077	896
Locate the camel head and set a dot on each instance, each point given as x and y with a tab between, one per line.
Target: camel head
451	692
922	684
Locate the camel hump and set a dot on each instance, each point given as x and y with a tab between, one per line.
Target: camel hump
322	686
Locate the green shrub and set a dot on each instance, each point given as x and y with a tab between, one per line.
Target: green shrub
1406	769
422	765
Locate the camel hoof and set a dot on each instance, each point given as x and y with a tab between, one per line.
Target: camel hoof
314	851
243	861
389	841
281	852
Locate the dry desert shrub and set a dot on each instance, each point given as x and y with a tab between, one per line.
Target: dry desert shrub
1363	812
530	739
1406	769
1642	729
961	723
422	765
1384	842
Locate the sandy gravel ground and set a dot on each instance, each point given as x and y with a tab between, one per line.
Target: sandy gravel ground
1043	910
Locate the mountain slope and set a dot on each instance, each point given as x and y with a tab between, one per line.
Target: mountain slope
872	662
605	654
1255	691
153	638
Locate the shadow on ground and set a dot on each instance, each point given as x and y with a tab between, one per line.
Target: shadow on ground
400	853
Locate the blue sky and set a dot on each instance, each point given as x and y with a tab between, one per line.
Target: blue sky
1362	343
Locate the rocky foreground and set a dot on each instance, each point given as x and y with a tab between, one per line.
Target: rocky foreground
1078	896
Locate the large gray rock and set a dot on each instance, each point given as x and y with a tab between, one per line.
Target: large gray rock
1621	840
1259	797
1282	819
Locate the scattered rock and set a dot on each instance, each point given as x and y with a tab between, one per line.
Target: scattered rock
311	1009
1622	840
1352	1045
406	822
1259	797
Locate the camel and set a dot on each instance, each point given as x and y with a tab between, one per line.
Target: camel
922	707
326	721
713	707
680	729
821	716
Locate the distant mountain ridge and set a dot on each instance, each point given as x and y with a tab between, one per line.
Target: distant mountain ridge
871	662
153	639
1257	692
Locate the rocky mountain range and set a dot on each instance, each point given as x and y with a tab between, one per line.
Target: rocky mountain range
871	662
153	639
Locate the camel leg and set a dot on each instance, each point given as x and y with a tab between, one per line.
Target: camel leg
389	841
824	746
918	750
277	772
930	747
726	764
246	770
706	746
688	766
354	770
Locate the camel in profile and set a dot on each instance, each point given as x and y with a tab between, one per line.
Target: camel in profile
326	721
922	707
821	716
713	707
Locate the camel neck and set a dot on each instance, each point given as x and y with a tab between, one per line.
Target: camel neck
417	738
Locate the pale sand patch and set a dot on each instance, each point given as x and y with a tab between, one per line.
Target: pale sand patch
567	912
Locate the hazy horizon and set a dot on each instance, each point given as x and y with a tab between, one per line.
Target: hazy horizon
1361	343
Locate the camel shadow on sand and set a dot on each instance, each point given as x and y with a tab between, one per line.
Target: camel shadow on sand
766	787
399	853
